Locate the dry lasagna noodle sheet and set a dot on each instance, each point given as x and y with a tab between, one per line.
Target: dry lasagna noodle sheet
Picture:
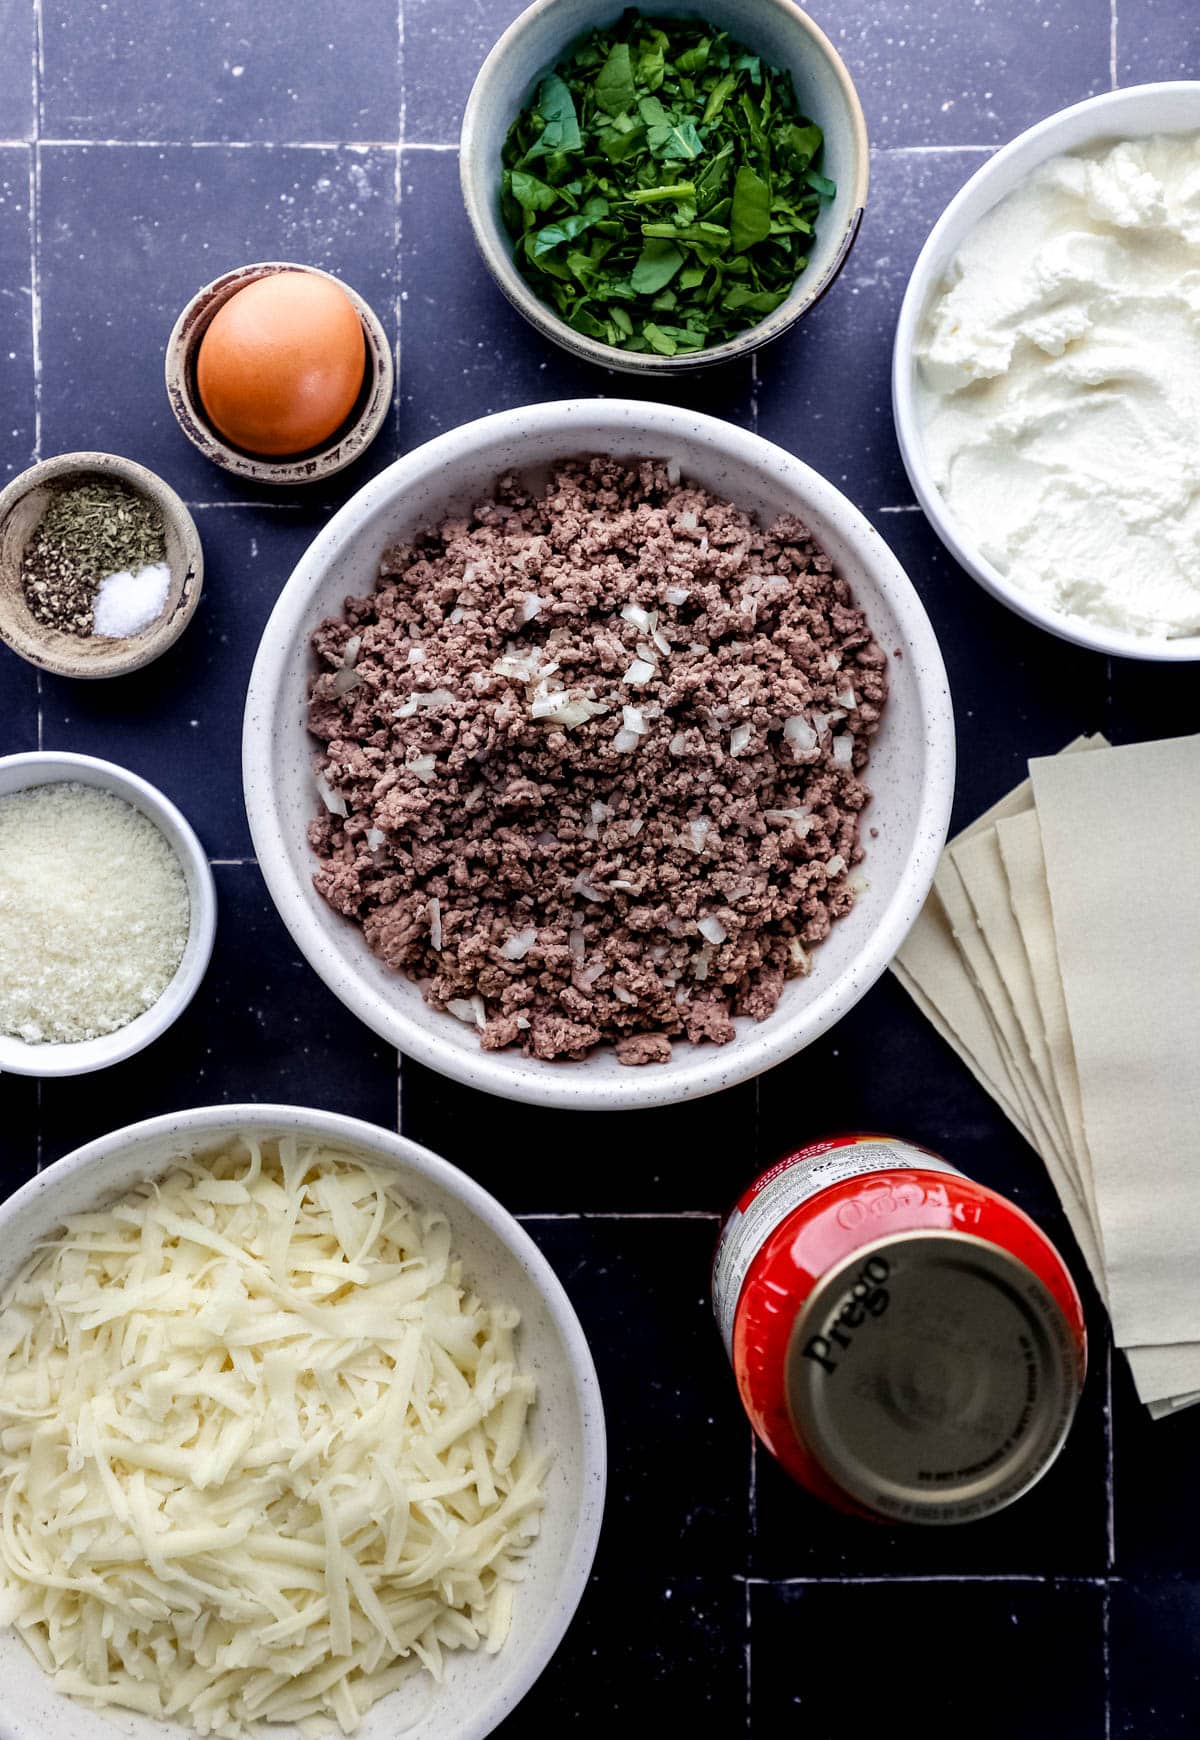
1121	838
982	965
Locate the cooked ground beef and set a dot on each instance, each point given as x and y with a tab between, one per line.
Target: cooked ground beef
598	751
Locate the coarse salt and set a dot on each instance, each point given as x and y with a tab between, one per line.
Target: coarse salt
127	603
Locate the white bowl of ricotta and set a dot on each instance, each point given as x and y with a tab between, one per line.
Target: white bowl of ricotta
1046	376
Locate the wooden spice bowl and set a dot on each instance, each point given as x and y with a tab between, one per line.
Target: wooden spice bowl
22	505
356	434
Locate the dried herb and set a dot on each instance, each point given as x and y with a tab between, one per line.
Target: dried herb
89	531
662	187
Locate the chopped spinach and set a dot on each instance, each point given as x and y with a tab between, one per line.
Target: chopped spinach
662	170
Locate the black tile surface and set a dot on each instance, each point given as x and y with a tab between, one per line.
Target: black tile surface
110	293
16	69
145	149
991	1660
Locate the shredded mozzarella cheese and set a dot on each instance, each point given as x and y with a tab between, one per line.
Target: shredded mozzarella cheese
263	1455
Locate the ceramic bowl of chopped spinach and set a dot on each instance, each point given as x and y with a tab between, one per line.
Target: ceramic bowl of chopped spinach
660	189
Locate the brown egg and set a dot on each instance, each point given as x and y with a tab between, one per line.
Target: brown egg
281	364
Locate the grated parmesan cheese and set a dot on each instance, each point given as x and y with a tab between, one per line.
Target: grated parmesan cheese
94	913
263	1455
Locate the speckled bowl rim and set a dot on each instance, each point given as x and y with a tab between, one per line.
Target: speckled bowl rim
285	472
211	1123
803	297
707	1069
83	1056
992	182
151	642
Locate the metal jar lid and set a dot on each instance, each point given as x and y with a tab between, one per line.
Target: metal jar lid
933	1376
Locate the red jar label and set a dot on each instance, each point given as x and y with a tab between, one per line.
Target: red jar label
783	1188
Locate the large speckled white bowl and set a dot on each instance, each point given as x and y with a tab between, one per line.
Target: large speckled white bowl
911	771
499	1260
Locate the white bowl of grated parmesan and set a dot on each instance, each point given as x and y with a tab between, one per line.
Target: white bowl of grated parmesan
299	1434
107	913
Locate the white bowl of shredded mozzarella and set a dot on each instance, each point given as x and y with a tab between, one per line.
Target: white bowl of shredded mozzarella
299	1434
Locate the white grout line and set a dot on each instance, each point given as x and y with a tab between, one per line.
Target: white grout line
224	862
359	146
399	1093
933	1577
398	232
1112	44
37	1138
39	61
364	145
1106	1659
909	507
749	1669
1110	1510
631	1214
291	506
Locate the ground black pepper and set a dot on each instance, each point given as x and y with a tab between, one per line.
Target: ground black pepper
89	531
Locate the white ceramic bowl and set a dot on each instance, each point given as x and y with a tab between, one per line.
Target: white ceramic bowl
499	1258
48	767
911	770
1125	114
784	36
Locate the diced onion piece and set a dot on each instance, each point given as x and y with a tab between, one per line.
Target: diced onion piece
834	866
521	1021
425	768
576	944
462	1009
688	520
344	680
661	642
589	891
375	837
425	701
622	995
416	655
739	737
639	673
800	819
678	744
435	923
801	959
643	619
625	740
589	975
480	1009
833	661
799	734
843	750
712	930
635	825
334	802
647	652
701	961
533	606
634	720
847	698
698	828
677	595
518	945
672	472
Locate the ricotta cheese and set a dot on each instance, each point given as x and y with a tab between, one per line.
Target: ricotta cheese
1058	386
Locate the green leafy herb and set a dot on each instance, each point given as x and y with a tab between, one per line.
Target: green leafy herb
662	187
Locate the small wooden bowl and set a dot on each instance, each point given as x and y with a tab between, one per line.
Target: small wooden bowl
356	433
22	505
